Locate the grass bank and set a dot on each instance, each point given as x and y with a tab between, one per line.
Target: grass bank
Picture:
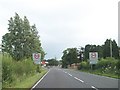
20	74
29	81
96	72
109	67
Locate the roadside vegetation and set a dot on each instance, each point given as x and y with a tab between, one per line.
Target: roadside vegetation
105	67
19	73
108	64
18	68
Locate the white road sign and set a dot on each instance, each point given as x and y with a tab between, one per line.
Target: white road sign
37	58
93	57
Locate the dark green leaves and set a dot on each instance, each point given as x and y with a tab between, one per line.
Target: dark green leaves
22	39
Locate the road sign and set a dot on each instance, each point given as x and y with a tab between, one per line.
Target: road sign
37	58
93	57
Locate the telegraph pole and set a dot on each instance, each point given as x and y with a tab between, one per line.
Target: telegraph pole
110	48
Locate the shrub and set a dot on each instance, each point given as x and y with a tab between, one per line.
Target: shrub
17	70
108	65
84	65
7	70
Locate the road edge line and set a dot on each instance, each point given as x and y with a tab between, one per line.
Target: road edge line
39	80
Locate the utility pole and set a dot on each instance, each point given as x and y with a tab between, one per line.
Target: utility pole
110	48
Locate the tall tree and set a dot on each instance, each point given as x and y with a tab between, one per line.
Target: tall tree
106	48
22	39
110	48
115	49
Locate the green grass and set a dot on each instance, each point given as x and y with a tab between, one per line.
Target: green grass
28	82
20	74
101	74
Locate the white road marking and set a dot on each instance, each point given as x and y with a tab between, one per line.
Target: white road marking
65	72
94	87
40	80
79	79
70	74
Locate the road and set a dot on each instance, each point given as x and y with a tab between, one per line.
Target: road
66	78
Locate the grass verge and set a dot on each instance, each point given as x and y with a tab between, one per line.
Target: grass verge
101	74
29	81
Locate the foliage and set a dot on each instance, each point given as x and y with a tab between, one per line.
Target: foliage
69	56
106	49
84	65
108	66
103	50
16	70
22	39
52	62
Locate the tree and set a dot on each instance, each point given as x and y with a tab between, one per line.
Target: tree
87	50
69	57
52	62
115	49
22	39
100	51
106	49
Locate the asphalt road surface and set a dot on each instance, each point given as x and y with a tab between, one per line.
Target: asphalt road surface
66	78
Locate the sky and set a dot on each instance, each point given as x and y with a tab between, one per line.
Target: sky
65	24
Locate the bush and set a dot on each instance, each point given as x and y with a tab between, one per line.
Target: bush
7	69
84	65
16	70
108	65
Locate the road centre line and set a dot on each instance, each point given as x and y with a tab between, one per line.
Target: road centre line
79	79
94	87
40	80
70	74
75	77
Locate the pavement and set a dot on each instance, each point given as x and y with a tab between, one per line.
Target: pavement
67	78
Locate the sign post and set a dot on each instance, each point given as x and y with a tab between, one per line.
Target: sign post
37	58
93	58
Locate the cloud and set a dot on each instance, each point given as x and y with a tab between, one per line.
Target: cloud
65	23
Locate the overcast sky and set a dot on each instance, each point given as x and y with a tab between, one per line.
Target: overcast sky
65	23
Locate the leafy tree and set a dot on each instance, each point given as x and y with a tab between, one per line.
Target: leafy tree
69	57
100	51
115	49
106	49
52	62
87	50
22	39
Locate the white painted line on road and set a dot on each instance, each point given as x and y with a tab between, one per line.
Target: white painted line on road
40	80
76	78
65	72
94	87
70	74
79	79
